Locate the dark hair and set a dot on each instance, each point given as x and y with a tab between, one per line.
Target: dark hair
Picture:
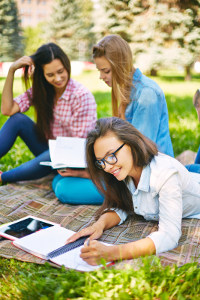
43	92
116	193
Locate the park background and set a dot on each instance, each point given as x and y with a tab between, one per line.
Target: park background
165	40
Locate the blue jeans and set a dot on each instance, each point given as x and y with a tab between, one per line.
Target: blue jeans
68	189
197	160
22	126
75	190
195	168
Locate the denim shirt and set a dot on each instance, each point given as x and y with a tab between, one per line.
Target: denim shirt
148	112
166	193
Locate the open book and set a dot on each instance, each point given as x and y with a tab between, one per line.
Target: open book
66	152
50	244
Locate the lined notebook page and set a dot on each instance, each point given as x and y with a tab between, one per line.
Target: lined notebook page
72	260
44	241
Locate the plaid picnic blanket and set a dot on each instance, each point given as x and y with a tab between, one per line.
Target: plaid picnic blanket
37	198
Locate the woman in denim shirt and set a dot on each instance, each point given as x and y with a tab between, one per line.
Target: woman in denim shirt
134	177
135	97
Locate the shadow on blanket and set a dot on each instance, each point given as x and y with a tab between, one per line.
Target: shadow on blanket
37	198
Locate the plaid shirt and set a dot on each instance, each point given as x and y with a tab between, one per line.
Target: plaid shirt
74	113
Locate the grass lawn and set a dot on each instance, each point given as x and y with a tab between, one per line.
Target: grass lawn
20	280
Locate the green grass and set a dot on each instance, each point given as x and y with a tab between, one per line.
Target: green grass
151	281
19	280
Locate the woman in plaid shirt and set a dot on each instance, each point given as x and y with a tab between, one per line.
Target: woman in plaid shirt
63	107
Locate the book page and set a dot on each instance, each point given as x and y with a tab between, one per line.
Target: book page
72	260
69	152
52	145
44	241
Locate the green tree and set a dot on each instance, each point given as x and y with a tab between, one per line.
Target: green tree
161	33
34	37
167	33
10	31
100	20
71	27
119	16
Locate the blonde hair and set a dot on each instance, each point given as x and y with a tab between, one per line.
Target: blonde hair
117	51
196	98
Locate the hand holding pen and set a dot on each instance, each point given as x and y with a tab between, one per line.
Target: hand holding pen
94	251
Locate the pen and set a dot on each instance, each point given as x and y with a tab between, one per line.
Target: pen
112	263
88	242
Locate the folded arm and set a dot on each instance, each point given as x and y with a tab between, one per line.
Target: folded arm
8	106
95	251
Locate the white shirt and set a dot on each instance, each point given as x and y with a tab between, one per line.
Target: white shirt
166	192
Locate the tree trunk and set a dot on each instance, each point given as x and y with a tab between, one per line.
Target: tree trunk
153	72
188	73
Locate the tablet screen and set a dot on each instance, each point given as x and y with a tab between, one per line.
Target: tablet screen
23	227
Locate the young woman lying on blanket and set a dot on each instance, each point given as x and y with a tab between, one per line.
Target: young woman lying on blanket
63	107
134	177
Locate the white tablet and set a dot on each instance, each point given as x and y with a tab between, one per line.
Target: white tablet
24	226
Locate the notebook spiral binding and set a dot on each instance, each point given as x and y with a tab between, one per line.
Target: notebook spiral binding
67	247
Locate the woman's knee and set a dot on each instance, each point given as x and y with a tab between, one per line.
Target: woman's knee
194	168
73	190
197	159
17	122
20	119
55	181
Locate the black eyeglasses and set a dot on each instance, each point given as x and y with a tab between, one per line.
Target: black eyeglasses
110	159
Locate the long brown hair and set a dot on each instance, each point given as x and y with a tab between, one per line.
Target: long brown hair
43	92
117	51
116	193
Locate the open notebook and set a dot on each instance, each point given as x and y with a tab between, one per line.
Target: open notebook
49	244
66	152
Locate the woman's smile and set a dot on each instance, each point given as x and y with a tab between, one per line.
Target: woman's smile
56	74
116	172
105	146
